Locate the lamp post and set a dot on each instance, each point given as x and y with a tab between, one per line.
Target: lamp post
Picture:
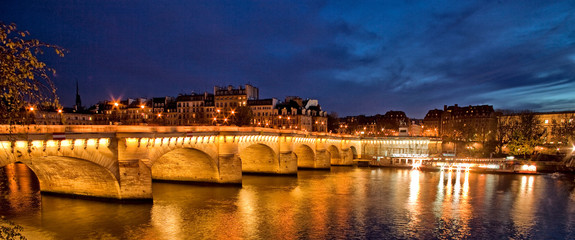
60	115
143	107
31	109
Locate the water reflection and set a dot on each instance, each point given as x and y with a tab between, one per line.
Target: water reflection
345	203
452	205
523	207
20	190
413	204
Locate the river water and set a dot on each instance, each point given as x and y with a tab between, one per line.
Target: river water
343	203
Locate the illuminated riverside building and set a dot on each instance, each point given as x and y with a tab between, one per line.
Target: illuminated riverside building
432	123
219	108
558	128
378	125
61	117
263	111
227	99
298	114
195	109
454	122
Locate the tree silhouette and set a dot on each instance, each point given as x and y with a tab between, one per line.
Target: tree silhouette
24	79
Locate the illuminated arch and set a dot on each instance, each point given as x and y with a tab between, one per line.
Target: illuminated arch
67	175
353	152
335	156
305	156
259	158
185	164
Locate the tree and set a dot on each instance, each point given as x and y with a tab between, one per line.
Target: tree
332	122
527	135
24	79
243	116
564	130
505	127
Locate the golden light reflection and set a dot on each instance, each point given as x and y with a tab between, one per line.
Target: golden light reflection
246	207
167	220
413	187
413	205
439	195
523	212
453	201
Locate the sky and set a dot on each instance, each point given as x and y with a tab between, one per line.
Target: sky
355	57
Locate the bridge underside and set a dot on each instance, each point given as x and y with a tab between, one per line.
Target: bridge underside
187	164
260	158
66	175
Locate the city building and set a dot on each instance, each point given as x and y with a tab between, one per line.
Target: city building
263	111
195	109
470	123
432	123
376	126
226	106
66	116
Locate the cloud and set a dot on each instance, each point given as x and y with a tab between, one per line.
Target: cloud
363	57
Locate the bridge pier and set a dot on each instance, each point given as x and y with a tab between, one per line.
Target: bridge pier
135	180
322	159
229	163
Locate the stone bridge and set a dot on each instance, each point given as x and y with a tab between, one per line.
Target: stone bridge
120	162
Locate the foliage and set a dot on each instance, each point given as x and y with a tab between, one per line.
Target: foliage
24	79
243	116
526	135
332	122
564	131
505	127
9	230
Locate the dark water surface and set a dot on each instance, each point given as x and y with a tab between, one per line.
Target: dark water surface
344	203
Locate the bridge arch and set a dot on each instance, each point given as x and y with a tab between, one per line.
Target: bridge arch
353	152
185	164
75	176
335	156
259	158
84	149
348	155
305	156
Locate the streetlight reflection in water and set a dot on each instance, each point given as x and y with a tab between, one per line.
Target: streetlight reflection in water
344	203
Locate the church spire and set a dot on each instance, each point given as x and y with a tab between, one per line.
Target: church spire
78	106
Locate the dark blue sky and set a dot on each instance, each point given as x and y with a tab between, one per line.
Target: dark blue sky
355	57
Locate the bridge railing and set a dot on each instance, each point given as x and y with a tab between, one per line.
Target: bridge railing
46	129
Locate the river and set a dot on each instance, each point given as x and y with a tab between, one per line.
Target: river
343	203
